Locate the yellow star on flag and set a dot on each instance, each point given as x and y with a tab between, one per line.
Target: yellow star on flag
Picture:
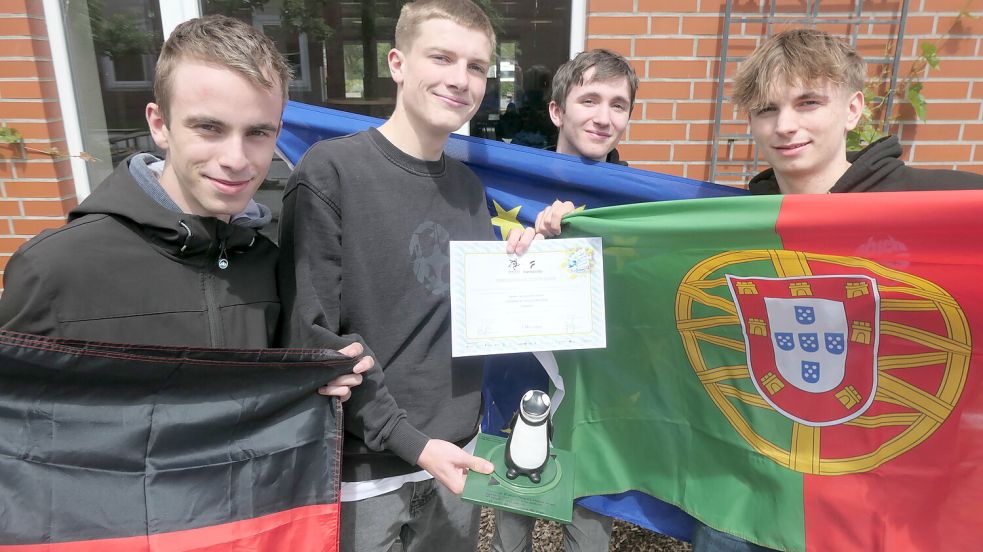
506	220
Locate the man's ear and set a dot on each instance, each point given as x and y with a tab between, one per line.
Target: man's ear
158	127
396	59
856	110
556	114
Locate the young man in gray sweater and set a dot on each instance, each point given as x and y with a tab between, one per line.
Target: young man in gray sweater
366	224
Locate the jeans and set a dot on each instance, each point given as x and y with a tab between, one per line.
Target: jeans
424	516
587	532
708	539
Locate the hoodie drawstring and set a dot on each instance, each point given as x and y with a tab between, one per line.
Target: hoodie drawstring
223	256
187	240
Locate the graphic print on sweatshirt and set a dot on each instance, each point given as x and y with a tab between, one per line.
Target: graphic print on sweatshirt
429	255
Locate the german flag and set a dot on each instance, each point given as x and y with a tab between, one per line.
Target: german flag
118	447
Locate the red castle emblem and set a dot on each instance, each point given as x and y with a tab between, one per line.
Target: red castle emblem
811	343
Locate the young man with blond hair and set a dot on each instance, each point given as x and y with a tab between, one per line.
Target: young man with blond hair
168	252
803	92
366	225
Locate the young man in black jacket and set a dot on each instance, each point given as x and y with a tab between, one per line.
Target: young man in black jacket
803	92
168	252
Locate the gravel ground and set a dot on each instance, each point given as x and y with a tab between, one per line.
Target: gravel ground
625	537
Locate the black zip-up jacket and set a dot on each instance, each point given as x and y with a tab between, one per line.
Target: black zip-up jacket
125	269
878	168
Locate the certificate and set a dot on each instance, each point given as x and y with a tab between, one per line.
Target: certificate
549	299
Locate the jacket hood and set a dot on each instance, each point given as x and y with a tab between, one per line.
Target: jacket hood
868	167
179	234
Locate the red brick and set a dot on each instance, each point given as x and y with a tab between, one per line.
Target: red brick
691	152
973	133
28	89
14	109
978	169
664	47
948	152
948	90
31	7
639	65
9	245
10	208
25	47
26	68
965	26
922	132
956	46
915	25
40	131
15	26
658	111
835	29
706	90
34	226
694	111
677	6
594	6
617	25
644	152
952	68
977	91
618	45
680	69
663	90
948	111
664	25
978	154
677	170
710	47
52	208
702	25
657	131
6	167
43	169
49	189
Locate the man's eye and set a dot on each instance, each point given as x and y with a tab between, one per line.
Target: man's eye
764	110
477	69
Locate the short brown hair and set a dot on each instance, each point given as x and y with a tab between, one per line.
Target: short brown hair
607	65
463	12
223	41
798	57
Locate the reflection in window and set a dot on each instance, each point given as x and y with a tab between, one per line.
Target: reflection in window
354	70
292	44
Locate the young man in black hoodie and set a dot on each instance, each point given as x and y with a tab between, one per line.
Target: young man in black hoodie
168	252
803	92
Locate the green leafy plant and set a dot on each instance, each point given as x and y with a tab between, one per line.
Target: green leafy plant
10	135
909	87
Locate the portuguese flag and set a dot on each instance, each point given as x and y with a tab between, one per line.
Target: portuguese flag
799	371
124	448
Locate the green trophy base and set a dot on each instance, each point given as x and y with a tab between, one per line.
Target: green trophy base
551	498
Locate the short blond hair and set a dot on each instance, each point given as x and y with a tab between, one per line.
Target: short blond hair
226	42
798	57
463	12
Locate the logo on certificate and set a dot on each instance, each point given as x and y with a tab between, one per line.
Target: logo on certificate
580	260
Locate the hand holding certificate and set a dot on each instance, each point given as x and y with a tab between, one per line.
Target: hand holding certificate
551	298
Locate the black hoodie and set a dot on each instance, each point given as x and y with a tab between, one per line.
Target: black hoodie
877	168
125	269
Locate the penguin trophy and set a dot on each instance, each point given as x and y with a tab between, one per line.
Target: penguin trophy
528	447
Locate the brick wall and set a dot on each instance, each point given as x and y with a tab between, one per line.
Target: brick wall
36	190
675	47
